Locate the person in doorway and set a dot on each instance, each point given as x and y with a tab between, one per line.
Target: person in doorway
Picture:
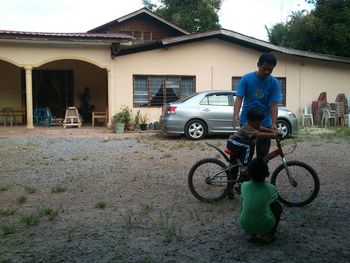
259	89
260	210
85	105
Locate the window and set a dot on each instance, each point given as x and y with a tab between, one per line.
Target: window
157	90
282	82
217	100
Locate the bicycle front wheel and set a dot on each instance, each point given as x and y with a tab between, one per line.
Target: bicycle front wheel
299	190
208	180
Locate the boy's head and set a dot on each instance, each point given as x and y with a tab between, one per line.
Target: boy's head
258	170
266	64
255	117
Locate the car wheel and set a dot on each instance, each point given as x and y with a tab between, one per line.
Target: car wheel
283	127
195	130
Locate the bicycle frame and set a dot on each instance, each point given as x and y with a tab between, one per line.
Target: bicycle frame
273	154
279	152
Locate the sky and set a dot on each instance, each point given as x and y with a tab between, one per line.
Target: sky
248	17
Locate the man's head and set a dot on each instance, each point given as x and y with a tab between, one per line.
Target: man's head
266	64
258	170
255	117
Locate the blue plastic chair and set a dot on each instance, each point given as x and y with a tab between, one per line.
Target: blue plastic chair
39	116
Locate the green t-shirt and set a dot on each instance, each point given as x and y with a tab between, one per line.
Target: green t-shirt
256	216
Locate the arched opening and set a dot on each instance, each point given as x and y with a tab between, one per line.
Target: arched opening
60	84
12	95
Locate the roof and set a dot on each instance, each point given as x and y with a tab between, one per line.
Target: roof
233	37
136	13
64	37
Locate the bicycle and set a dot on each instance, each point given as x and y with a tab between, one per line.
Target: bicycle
211	180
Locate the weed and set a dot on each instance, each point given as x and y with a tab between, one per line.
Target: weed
71	232
147	208
49	212
100	205
7	229
6	211
58	189
30	189
174	232
163	220
21	200
4	187
129	220
30	219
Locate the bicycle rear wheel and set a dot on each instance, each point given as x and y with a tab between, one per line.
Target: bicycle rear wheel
305	187
208	180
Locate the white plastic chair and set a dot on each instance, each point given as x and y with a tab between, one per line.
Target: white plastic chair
72	118
306	114
327	117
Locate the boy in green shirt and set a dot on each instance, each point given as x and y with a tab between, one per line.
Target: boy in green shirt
260	210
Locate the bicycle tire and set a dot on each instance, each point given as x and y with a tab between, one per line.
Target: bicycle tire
205	190
306	190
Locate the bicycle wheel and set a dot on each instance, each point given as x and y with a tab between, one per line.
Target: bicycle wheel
208	180
305	187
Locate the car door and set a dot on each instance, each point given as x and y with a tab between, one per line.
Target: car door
217	110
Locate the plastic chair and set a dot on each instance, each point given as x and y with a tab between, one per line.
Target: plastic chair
340	112
72	118
306	115
316	105
9	116
328	115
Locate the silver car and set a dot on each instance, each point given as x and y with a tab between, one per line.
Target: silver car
210	112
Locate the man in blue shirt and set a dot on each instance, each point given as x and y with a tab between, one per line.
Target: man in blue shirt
259	89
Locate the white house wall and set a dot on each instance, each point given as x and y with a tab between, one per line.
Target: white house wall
215	62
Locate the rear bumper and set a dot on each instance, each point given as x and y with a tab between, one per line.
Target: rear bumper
171	125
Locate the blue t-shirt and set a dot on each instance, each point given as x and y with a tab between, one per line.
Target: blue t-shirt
259	93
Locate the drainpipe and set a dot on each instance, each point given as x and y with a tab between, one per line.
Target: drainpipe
29	97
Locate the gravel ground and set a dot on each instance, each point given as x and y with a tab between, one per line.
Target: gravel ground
149	213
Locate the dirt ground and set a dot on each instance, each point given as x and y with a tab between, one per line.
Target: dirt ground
88	195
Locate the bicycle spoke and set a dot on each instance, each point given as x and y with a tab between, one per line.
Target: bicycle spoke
208	180
305	189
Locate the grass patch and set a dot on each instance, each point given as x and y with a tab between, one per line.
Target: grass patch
174	232
129	220
30	219
21	200
100	205
30	189
147	208
58	189
7	211
7	229
4	187
49	212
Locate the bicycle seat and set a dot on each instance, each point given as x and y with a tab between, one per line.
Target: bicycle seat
230	152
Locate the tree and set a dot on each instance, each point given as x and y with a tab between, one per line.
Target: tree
325	29
192	15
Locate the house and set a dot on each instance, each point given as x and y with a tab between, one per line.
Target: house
142	60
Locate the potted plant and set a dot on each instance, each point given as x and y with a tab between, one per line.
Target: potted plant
117	124
156	125
123	118
143	120
137	120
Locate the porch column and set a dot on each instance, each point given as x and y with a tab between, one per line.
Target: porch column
29	97
109	96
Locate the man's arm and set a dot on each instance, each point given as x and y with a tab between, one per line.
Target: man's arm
236	110
274	112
